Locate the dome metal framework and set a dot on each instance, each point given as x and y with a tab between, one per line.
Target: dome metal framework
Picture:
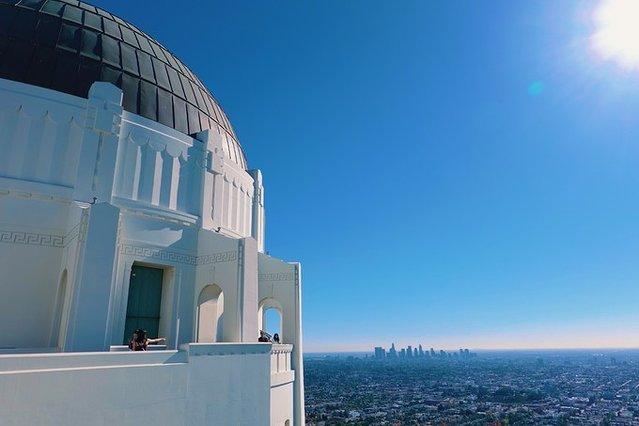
68	45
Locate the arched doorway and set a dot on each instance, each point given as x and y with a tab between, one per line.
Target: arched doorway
56	339
210	314
270	317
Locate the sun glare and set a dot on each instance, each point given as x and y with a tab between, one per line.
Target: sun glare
616	35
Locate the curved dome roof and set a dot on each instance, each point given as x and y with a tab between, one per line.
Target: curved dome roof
67	45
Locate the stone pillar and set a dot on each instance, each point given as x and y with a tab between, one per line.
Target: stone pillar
98	154
88	328
247	294
212	201
205	179
258	222
297	359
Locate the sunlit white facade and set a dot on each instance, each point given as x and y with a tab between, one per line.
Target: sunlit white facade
110	221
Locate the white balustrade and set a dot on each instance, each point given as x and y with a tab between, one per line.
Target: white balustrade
281	358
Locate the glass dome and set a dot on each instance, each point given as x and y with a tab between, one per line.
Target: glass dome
68	45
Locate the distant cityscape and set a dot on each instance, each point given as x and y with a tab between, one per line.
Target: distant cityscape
418	352
496	388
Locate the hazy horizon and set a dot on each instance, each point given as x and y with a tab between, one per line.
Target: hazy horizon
479	350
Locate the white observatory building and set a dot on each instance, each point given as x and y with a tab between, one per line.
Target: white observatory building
126	202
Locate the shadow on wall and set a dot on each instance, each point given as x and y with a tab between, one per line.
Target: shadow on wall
58	328
210	314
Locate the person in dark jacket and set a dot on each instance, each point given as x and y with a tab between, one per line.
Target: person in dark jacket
263	337
139	341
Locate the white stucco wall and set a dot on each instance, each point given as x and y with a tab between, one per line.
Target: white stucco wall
40	134
280	283
281	407
282	385
31	250
58	152
205	384
87	190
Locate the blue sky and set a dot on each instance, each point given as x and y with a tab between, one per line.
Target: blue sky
450	173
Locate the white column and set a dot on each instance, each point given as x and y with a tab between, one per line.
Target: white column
121	298
98	153
150	175
170	180
89	327
299	415
247	294
257	211
206	179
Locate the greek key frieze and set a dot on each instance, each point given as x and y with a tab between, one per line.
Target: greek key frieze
154	253
276	276
225	256
31	238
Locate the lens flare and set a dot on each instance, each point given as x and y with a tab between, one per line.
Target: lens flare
616	36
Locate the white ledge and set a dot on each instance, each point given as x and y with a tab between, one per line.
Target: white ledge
125	348
138	207
226	348
48	361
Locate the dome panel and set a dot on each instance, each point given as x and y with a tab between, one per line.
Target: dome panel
68	45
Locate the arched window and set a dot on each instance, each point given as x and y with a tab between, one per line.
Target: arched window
210	314
273	321
57	327
270	317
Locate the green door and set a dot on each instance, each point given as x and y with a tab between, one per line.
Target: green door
145	297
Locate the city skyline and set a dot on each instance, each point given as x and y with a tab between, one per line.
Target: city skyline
466	175
394	353
578	387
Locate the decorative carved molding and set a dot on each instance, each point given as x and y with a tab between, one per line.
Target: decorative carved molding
225	256
104	109
79	231
31	238
34	195
276	276
155	253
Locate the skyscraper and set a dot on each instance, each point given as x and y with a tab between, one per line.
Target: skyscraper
392	352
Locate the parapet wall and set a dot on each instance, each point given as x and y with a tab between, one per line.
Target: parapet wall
221	384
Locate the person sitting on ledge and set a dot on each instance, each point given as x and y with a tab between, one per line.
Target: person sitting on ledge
140	342
263	337
276	338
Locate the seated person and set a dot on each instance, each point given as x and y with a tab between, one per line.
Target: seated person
276	338
263	337
140	342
